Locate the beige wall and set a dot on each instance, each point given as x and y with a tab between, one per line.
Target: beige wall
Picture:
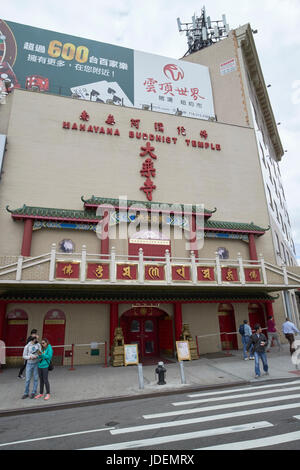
228	90
48	166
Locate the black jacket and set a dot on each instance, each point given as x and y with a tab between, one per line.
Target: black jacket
256	340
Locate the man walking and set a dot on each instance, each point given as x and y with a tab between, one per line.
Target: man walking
246	333
31	354
289	330
272	333
33	334
259	343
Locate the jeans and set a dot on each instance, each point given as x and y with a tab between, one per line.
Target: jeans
245	341
31	369
274	336
43	374
263	357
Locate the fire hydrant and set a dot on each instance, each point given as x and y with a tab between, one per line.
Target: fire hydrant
161	371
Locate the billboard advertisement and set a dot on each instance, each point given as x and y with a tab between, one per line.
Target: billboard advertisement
52	62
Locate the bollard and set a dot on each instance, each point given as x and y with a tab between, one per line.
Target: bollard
182	375
72	359
141	376
161	371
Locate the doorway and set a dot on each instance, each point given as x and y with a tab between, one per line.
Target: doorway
54	331
227	327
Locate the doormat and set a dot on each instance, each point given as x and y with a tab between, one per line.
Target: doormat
217	355
296	372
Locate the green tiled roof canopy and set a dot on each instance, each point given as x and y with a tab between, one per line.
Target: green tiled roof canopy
89	215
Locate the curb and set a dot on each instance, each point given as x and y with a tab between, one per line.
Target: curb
107	400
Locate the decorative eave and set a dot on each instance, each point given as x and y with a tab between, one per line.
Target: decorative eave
51	214
130	296
246	40
89	216
234	227
94	202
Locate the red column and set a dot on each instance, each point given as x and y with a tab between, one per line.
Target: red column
178	320
2	319
105	228
193	240
27	237
114	322
252	248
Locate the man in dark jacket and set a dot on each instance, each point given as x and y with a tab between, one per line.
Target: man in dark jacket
32	334
259	342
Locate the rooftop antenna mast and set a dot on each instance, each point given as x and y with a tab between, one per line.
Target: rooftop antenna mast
203	32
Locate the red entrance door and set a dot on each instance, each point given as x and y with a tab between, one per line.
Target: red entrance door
227	325
257	316
16	332
144	333
54	331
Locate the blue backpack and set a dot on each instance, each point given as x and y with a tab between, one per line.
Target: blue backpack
242	330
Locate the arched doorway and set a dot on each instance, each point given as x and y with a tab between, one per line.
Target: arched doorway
54	331
257	316
227	325
151	329
16	332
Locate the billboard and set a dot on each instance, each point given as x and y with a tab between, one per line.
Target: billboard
47	61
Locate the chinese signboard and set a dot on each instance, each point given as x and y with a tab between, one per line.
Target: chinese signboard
39	59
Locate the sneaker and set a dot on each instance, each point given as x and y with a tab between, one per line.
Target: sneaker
47	396
38	396
32	395
24	396
266	373
257	377
21	377
246	359
251	358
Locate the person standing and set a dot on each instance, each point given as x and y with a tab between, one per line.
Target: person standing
259	342
33	333
44	362
272	333
246	333
31	355
289	330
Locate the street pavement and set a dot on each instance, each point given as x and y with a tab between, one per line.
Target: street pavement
88	385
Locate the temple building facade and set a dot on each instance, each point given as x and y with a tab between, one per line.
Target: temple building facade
113	216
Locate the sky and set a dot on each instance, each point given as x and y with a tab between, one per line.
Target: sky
151	26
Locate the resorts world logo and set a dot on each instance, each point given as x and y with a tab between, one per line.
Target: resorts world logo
123	222
173	72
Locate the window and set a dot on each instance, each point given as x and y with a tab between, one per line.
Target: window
276	210
66	246
278	245
223	253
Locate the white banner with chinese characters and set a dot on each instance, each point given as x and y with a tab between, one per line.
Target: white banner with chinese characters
169	85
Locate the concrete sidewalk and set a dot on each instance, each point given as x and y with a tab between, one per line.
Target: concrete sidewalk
88	385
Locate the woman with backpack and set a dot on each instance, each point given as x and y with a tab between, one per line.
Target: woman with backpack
45	361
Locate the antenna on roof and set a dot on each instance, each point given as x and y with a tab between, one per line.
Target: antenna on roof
203	32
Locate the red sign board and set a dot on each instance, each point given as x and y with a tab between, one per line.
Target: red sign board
230	275
252	275
97	271
65	270
127	272
206	274
154	272
181	273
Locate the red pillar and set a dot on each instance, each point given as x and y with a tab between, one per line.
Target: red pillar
114	322
27	237
178	320
193	235
252	248
2	319
105	228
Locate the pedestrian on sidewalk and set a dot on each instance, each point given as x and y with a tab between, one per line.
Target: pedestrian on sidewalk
289	330
259	342
33	333
31	355
272	334
246	333
43	367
